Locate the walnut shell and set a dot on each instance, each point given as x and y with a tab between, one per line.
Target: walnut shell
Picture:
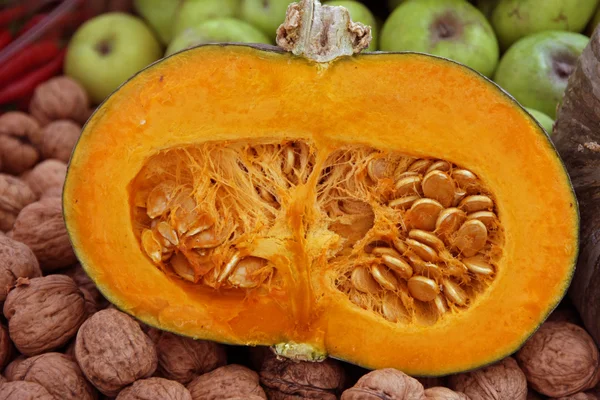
16	261
385	383
58	374
40	226
224	382
58	138
155	389
560	359
14	195
59	98
94	300
283	379
43	313
21	390
578	396
11	368
113	352
442	393
16	129
46	176
6	346
182	359
503	380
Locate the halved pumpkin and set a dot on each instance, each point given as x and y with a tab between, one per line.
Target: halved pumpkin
391	210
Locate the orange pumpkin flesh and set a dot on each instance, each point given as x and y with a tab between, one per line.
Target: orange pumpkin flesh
232	96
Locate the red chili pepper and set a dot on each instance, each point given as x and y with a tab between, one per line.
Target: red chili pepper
5	38
27	59
26	85
11	14
33	21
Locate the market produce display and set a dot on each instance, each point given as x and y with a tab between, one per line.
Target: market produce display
242	199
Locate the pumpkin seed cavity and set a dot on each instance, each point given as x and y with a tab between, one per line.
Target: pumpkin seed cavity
411	239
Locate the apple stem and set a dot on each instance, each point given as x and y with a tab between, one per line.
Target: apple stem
321	33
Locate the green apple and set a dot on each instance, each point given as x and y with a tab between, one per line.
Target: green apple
535	69
453	29
159	15
193	12
545	121
514	19
108	49
392	4
360	13
217	31
266	15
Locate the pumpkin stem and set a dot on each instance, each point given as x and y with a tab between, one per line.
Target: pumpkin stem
321	33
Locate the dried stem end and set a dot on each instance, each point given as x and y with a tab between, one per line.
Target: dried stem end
321	33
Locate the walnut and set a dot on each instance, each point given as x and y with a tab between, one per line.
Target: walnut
40	226
58	374
181	359
11	368
155	389
14	195
6	346
532	395
46	176
94	301
16	261
113	352
58	138
442	393
432	382
22	390
286	378
579	396
560	359
2	380
223	382
43	313
59	98
16	130
385	383
503	380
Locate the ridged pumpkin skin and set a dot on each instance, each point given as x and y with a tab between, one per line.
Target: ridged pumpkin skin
411	103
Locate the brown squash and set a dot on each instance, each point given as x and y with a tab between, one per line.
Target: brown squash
392	210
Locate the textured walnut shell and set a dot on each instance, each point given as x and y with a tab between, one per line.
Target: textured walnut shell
182	359
560	359
22	390
113	352
16	129
40	226
578	396
58	374
16	261
503	380
43	313
57	139
155	389
6	346
59	98
14	195
94	301
11	368
225	382
385	384
283	379
442	393
47	176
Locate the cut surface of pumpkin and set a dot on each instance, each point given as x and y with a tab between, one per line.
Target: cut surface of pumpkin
391	210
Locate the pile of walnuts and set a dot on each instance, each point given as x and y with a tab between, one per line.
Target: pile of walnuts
61	340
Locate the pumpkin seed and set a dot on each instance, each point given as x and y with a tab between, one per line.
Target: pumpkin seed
439	165
487	217
440	304
393	309
245	273
205	239
449	221
377	169
182	267
478	265
466	180
380	251
409	185
233	261
429	270
454	292
471	237
425	252
427	238
403	202
471	204
400	245
420	166
439	186
398	265
459	194
384	277
422	288
362	280
423	214
289	160
151	246
159	198
167	232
